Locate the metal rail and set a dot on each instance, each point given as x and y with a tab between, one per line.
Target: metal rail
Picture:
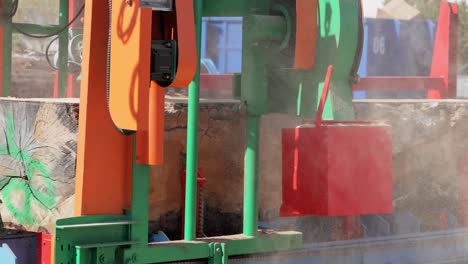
435	247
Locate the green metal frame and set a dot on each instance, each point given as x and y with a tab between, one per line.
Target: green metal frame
7	48
124	238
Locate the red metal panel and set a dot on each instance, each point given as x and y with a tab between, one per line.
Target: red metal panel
444	60
44	248
337	170
398	83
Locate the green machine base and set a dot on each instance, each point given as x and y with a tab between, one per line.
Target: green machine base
267	85
104	240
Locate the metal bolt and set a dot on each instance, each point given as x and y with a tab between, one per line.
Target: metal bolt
134	258
102	259
128	2
218	249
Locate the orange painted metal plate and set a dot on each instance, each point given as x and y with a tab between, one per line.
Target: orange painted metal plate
130	61
306	34
187	42
150	133
103	169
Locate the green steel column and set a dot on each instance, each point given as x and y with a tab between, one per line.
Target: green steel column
251	176
192	137
63	50
140	200
7	50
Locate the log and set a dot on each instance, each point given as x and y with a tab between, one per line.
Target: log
37	161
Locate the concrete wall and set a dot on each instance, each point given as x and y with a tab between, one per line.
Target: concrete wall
430	144
429	147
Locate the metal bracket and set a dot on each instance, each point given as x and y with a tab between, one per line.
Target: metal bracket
218	254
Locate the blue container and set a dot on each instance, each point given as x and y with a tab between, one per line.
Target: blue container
396	48
416	41
383	49
20	247
391	48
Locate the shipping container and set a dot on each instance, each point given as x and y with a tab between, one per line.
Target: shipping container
397	48
391	48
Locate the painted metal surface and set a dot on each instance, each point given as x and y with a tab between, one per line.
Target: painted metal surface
98	238
75	36
18	248
63	49
192	136
399	83
444	61
306	34
390	48
44	248
104	155
131	35
416	52
347	156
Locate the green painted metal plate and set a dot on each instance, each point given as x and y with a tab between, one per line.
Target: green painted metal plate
233	8
236	245
77	239
270	85
264	243
167	252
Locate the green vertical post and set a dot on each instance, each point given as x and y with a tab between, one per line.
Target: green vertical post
63	49
251	176
7	51
140	199
192	137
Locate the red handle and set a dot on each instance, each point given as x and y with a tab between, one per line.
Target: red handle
323	98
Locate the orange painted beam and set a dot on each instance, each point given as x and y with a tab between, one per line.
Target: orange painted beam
104	155
103	159
187	43
130	62
150	133
306	34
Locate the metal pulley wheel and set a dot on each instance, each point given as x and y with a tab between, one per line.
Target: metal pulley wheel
286	49
75	48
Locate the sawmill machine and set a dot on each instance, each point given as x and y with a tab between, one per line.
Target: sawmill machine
300	57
